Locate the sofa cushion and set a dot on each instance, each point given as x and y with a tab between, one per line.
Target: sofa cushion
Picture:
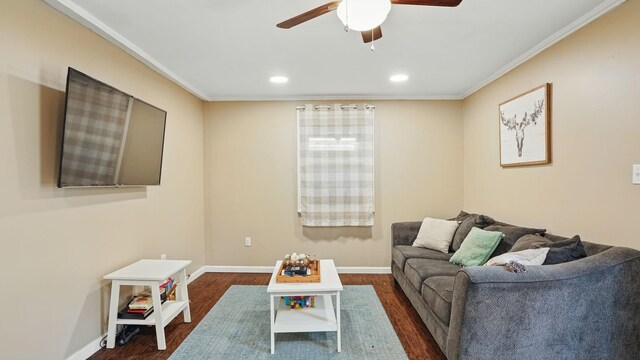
417	270
511	234
467	222
593	248
436	234
437	292
560	251
589	248
401	253
477	247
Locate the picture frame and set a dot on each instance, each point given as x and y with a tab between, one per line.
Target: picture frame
525	128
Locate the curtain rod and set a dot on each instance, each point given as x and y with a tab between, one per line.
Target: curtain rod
343	107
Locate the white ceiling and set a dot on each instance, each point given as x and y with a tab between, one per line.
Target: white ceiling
228	49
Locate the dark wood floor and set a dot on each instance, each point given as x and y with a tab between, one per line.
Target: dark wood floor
205	291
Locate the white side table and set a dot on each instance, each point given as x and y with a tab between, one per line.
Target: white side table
150	273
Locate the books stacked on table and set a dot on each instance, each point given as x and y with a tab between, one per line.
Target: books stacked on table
296	271
141	306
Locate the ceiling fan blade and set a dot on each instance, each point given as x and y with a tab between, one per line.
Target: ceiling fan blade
450	3
370	35
314	13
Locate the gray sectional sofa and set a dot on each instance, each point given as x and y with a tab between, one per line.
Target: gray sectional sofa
583	309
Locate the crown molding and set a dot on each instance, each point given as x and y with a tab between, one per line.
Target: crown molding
75	12
336	97
592	15
85	18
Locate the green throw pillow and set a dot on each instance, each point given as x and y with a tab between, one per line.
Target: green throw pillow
477	247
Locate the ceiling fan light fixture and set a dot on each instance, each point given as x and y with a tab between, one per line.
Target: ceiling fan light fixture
399	78
279	79
363	15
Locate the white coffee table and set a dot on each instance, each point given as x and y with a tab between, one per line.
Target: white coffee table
319	319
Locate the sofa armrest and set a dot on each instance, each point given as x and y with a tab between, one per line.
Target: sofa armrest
585	309
404	233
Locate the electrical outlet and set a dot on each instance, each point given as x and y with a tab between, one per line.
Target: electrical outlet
163	257
636	174
247	241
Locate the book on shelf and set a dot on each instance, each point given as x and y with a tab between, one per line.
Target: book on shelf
141	306
129	314
139	311
171	292
144	302
169	287
147	291
135	311
143	299
166	284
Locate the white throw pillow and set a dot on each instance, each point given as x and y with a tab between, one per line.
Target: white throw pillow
436	234
524	257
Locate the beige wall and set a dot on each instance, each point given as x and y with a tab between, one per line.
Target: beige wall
250	181
57	244
587	188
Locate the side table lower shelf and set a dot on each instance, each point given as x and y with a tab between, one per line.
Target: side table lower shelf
170	309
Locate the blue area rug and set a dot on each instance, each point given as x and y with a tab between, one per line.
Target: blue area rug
238	327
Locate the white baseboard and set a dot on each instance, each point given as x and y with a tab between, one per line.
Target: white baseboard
196	274
88	350
364	269
239	269
269	269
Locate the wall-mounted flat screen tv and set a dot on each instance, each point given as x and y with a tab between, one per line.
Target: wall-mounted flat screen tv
110	138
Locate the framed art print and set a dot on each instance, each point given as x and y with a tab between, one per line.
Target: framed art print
525	128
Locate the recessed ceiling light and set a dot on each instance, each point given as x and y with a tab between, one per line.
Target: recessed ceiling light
399	78
279	79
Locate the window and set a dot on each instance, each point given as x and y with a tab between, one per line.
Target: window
335	165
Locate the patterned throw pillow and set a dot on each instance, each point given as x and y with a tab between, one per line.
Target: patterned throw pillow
477	247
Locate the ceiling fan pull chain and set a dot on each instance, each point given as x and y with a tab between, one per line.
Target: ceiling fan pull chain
346	11
373	41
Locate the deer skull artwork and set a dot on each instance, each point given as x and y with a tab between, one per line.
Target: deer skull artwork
512	123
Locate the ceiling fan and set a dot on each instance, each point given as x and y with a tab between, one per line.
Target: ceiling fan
365	16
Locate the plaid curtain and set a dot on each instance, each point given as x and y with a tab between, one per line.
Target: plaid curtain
93	132
335	149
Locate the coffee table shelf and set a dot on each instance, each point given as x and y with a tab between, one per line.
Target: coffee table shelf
320	318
